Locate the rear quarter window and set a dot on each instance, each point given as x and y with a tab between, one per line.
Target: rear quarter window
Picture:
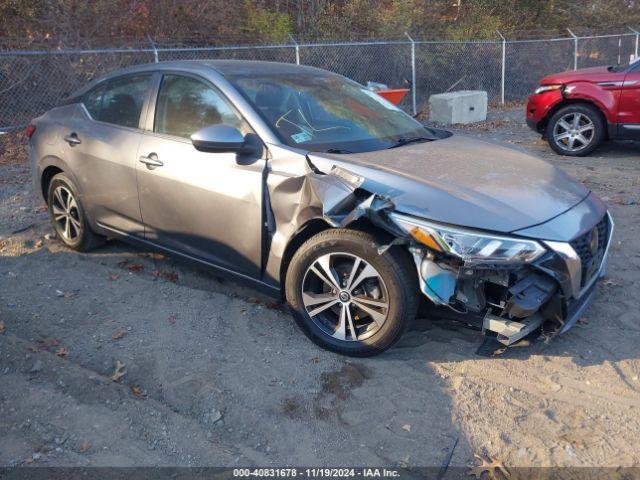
119	101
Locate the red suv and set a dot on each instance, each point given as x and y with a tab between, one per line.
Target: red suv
575	111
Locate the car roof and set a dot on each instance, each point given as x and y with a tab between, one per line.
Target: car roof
252	67
226	68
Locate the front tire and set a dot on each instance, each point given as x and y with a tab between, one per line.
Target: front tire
346	297
68	217
576	130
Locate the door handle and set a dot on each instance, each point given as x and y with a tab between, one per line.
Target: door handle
151	161
72	139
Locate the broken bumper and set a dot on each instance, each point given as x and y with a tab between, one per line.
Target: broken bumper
513	301
577	308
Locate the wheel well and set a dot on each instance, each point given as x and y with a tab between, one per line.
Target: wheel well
567	102
308	230
47	175
315	226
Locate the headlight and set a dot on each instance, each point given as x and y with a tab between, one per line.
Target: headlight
548	88
468	245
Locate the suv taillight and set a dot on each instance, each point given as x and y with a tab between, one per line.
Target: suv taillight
30	130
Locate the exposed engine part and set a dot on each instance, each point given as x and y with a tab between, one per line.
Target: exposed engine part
529	294
512	302
478	288
510	331
470	292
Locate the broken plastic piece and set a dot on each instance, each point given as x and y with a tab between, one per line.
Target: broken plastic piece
529	294
510	331
437	283
351	179
424	238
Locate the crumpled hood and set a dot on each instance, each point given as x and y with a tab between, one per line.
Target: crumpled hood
464	181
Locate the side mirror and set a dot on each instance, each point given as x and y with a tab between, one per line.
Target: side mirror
218	138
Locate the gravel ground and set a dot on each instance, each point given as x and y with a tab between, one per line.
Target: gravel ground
215	374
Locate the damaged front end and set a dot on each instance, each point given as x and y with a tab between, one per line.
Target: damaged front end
482	278
511	286
510	300
508	286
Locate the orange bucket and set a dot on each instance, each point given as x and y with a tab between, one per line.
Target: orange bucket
394	96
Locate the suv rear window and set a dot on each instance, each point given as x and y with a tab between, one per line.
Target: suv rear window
119	101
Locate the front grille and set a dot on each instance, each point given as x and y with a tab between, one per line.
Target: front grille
583	245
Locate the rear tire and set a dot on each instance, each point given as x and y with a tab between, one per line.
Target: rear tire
68	217
576	130
375	299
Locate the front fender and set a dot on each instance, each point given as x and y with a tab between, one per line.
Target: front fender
605	98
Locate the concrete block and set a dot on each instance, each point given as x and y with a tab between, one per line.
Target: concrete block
465	106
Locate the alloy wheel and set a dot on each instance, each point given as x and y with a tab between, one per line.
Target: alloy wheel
66	214
573	132
345	296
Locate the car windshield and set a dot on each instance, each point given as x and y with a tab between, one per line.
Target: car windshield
324	112
632	63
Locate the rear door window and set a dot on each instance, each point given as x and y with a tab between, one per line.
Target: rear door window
185	105
119	101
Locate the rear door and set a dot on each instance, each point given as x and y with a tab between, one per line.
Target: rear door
629	105
101	145
206	205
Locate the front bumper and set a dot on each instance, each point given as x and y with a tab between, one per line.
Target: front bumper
538	108
576	309
584	287
580	269
533	124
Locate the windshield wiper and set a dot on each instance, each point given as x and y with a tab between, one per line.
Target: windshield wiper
337	150
404	141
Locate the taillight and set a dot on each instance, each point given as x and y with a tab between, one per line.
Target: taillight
30	130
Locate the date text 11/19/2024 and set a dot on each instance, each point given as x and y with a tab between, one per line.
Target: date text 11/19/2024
317	472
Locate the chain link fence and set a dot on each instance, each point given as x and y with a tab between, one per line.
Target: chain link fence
31	82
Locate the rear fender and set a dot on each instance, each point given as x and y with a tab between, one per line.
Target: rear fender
53	161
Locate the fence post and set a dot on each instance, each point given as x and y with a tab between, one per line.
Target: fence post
575	49
413	74
153	46
297	47
503	72
635	54
619	49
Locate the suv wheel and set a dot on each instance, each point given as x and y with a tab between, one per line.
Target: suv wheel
348	298
67	215
576	130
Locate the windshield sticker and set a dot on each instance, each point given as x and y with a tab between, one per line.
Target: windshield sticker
301	137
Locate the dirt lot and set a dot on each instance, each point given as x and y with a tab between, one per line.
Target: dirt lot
217	374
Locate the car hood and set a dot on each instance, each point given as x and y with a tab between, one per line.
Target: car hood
594	74
463	181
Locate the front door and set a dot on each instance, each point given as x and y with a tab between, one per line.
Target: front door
629	105
205	205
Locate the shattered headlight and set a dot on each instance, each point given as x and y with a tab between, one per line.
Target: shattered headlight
469	245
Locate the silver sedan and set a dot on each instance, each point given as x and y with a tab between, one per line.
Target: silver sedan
310	186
